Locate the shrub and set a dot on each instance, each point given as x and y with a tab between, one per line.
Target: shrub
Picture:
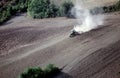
35	8
112	8
20	5
5	15
11	7
36	72
66	8
42	9
46	9
106	9
51	71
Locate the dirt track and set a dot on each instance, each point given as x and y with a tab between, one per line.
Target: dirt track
26	43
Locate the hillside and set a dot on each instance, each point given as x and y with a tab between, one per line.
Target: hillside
26	42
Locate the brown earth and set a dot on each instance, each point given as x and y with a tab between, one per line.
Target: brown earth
25	42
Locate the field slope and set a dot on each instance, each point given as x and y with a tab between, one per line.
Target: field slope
25	43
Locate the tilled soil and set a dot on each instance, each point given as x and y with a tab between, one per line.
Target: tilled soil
27	43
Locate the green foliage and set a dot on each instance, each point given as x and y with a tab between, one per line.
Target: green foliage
11	7
42	9
5	15
35	8
36	72
51	70
46	9
19	5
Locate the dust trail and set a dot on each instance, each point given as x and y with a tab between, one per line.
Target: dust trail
86	20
